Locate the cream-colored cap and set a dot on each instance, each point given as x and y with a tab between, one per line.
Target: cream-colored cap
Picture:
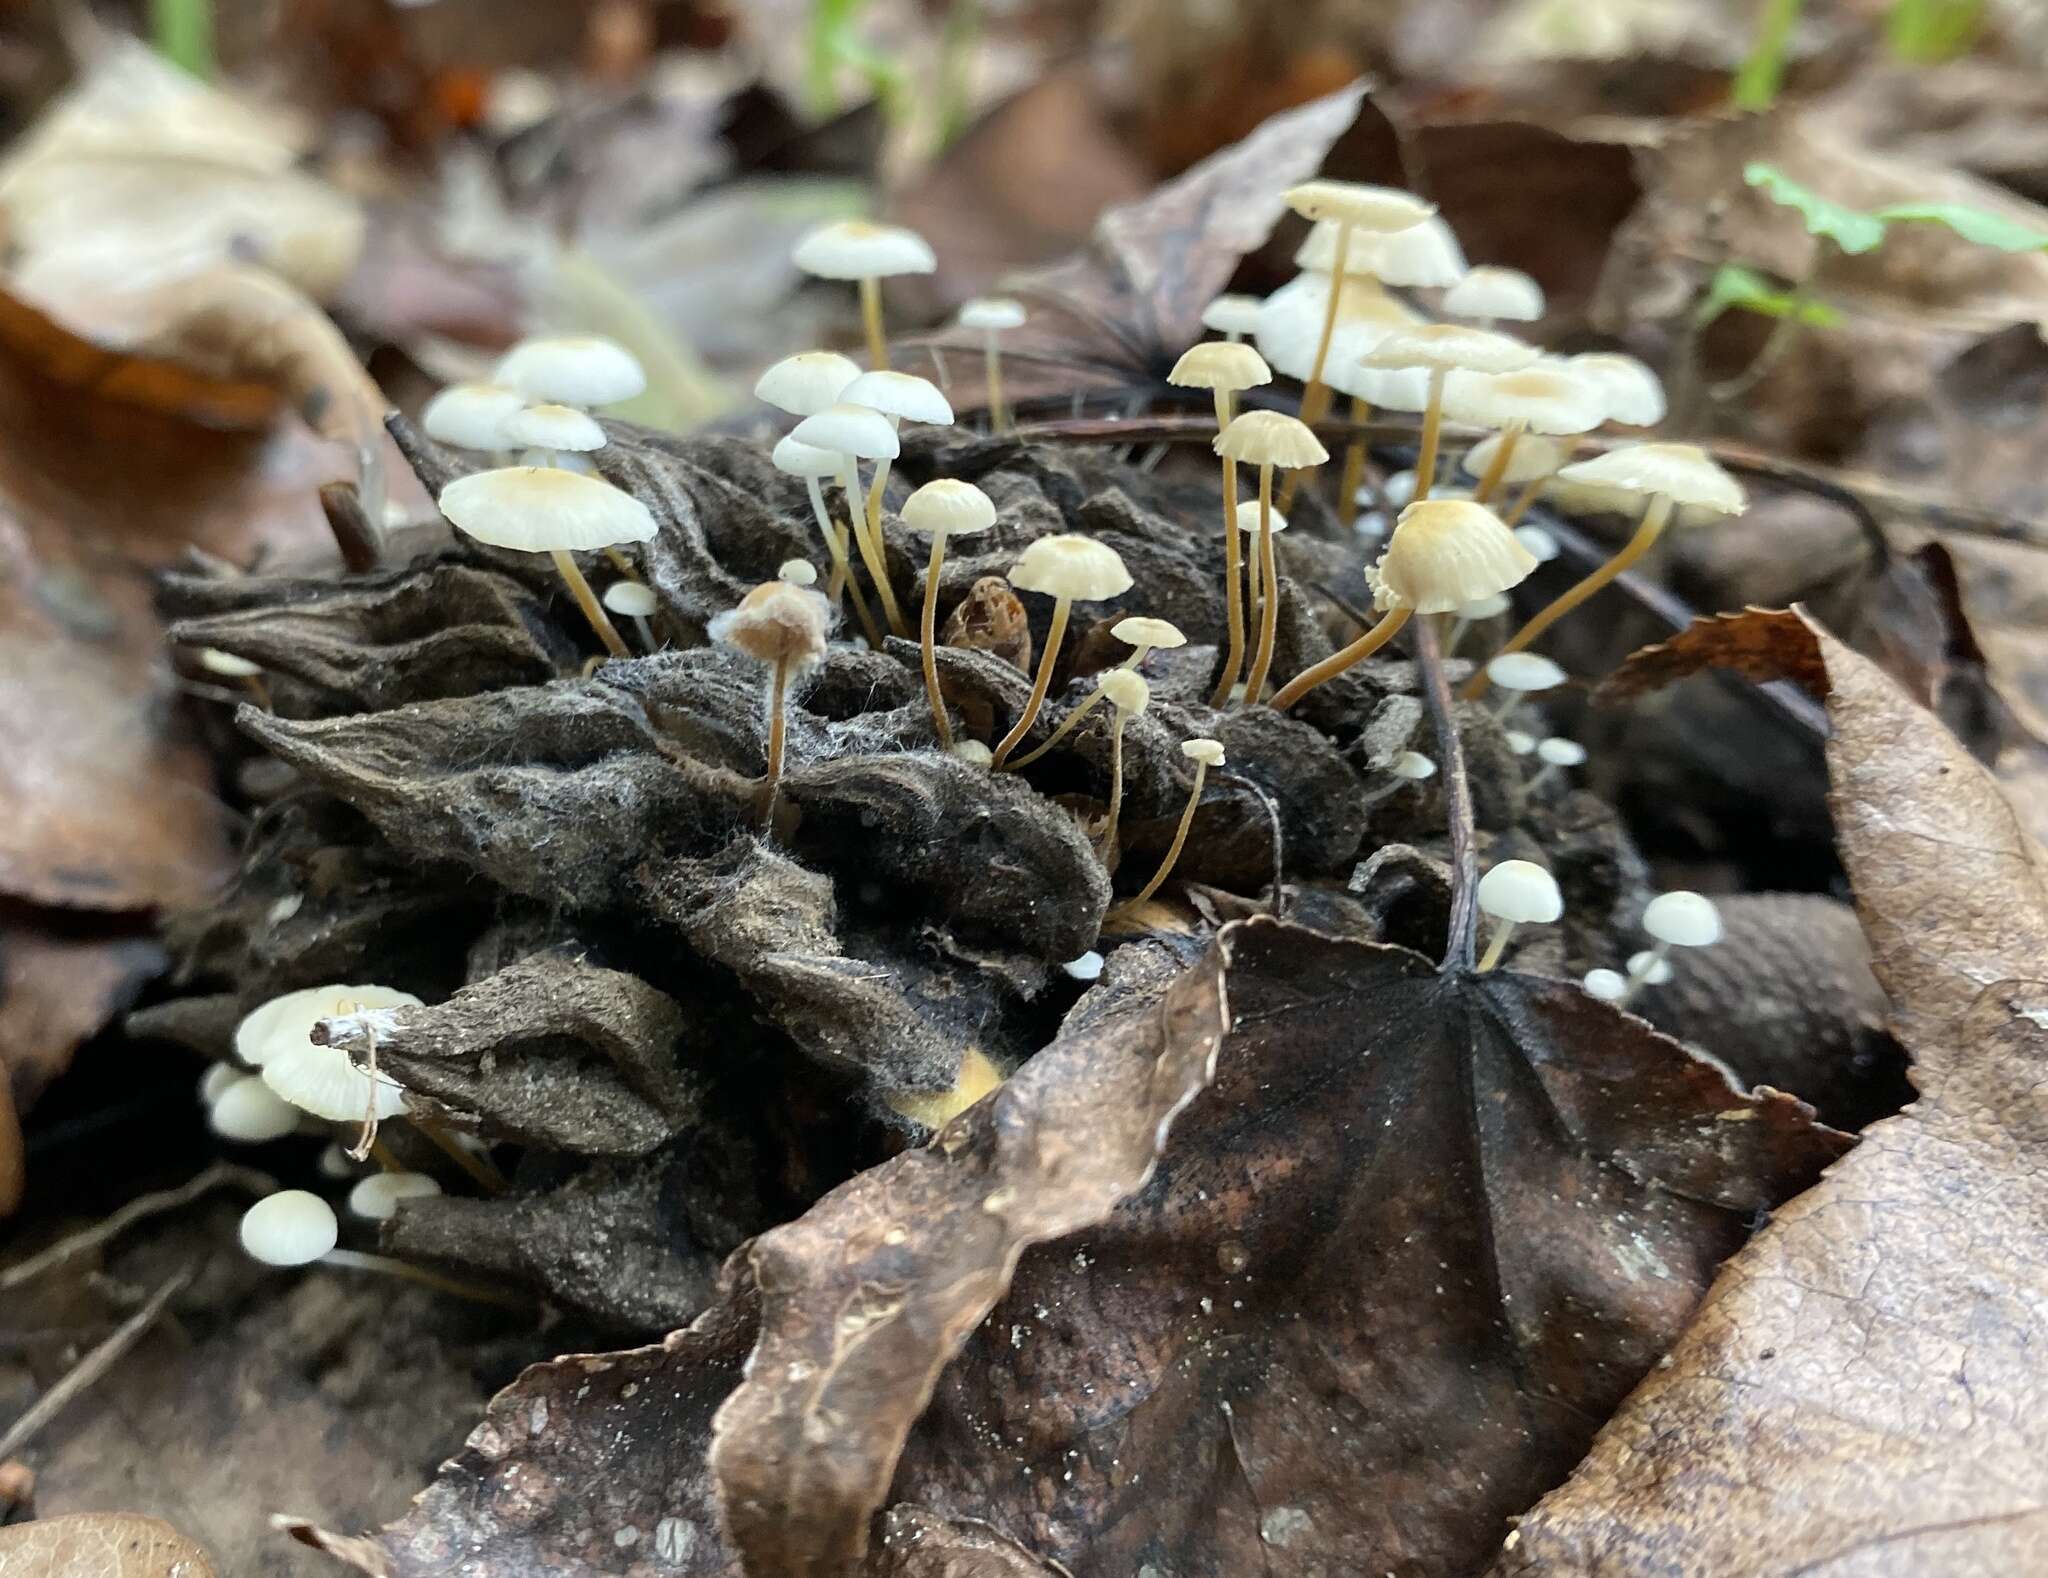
1457	346
293	1227
1067	564
1271	438
630	598
1445	553
949	507
861	249
1204	750
850	429
805	460
1489	291
1683	473
1633	393
1520	891
1525	673
904	396
1140	630
472	415
1231	314
1126	690
1541	398
554	427
992	312
777	622
1220	364
539	509
806	383
1533	457
572	369
1248	517
1357	204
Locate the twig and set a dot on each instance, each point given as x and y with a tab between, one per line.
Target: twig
1436	691
360	539
221	1175
1279	903
89	1369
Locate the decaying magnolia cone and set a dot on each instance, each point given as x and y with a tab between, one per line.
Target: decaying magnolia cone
992	317
472	416
1544	400
1129	695
855	433
1204	753
580	370
1443	555
785	627
541	509
866	253
1268	440
1490	293
798	459
806	383
1516	893
941	509
1441	349
1667	475
1226	369
1068	568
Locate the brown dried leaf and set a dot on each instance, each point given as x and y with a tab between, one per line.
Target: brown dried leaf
1861	1392
100	1545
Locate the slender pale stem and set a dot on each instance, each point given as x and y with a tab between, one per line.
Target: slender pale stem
380	1153
646	631
1234	336
586	600
1496	945
927	634
1039	685
356	1260
622	564
771	784
875	487
486	1177
1315	399
1432	433
842	572
1526	499
1180	838
870	545
871	322
1067	726
998	413
1647	532
1542	776
1269	609
1233	572
1497	469
1638	979
1354	461
1116	782
1330	667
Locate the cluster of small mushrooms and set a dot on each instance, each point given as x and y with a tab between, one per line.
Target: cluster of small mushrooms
1453	554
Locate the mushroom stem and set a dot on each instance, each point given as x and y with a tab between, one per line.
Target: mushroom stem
1496	945
1269	608
842	572
646	631
1067	726
481	1172
1315	399
1651	527
1180	838
586	600
998	413
1497	469
356	1260
1432	433
1039	684
1116	782
771	784
870	544
1526	499
622	564
1637	979
927	640
1233	571
871	322
1354	460
1337	662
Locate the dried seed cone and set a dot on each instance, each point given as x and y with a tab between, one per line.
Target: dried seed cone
777	622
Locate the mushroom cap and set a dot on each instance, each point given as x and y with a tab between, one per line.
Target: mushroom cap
902	395
1126	689
630	598
1545	400
226	664
217	1078
1683	919
1270	438
377	1196
850	429
249	1111
1445	553
1533	456
1486	607
799	459
325	1082
777	622
974	753
1204	750
1426	255
285	1023
1354	203
1412	764
949	507
1084	967
1683	473
1248	517
1607	985
1542	545
1393	389
798	572
804	384
554	427
1520	741
1290	321
1141	630
1220	364
992	312
1560	752
538	509
1490	291
1633	393
1231	314
862	249
1524	672
571	369
1646	967
293	1227
1067	564
472	415
1458	346
1520	891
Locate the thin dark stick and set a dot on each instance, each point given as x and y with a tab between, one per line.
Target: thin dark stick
1436	691
1279	904
360	539
89	1369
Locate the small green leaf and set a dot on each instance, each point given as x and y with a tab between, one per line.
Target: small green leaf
1972	224
1850	229
1734	286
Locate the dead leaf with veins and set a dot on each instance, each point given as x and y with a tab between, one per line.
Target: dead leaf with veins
100	1545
